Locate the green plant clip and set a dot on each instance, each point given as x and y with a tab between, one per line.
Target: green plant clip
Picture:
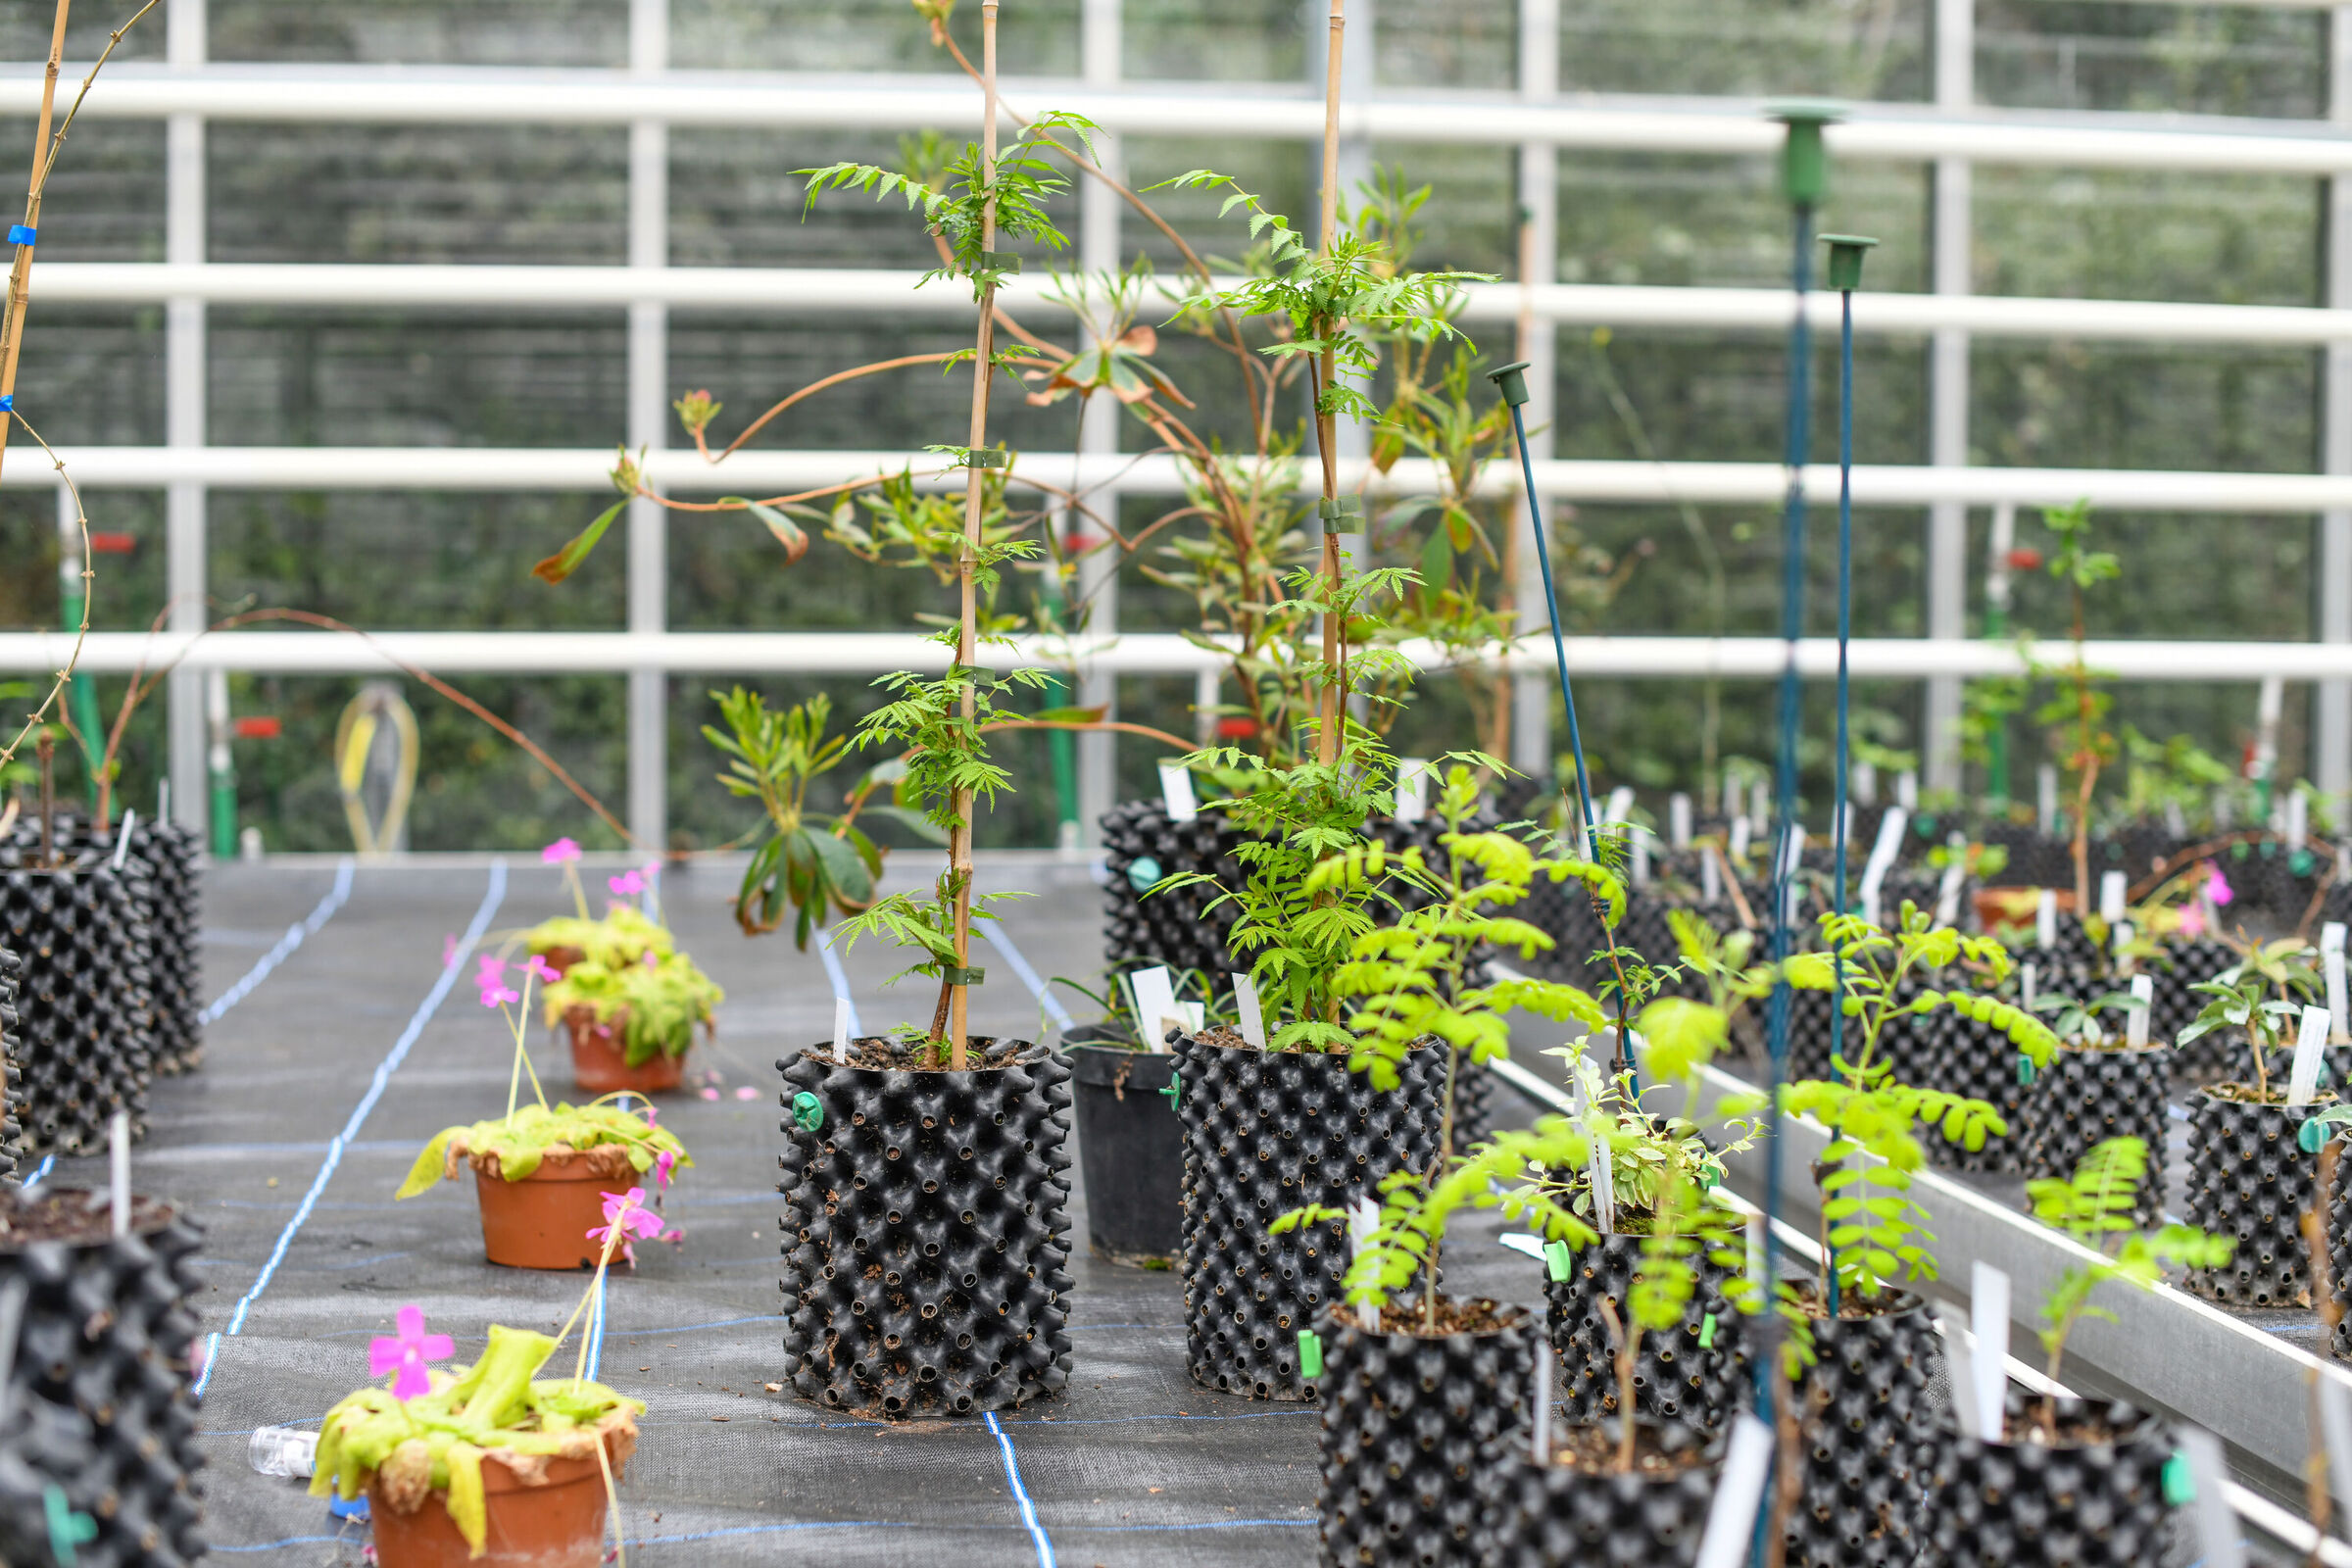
963	977
68	1527
2025	1070
807	1111
988	458
2179	1486
2311	1136
1142	872
1005	262
2300	862
1174	1087
1706	1332
1555	1259
1310	1353
1339	511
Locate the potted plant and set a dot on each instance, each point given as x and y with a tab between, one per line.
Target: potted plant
540	1172
625	934
1130	1141
2097	1086
2249	1177
491	1464
633	1024
2072	1482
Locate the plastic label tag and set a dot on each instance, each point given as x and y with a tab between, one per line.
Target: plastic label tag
2333	961
1155	1009
2311	1046
2026	974
2045	919
1947	892
1363	1218
2311	1136
1412	789
2331	937
1310	1353
1706	1332
1142	874
844	1027
1732	1517
1741	832
1710	879
1540	1398
1755	1252
2025	1070
1176	792
2336	1427
1989	1321
807	1111
2135	1021
1677	821
1604	1188
2110	896
2217	1520
1557	1260
1254	1018
1523	1242
1959	1367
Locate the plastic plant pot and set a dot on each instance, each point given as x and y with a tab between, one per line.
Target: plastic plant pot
557	1523
2250	1178
2087	1096
1574	1508
600	1064
2092	1499
542	1220
562	959
1695	1375
1410	1423
1131	1149
1875	1406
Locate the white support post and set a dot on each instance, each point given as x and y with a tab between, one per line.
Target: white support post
1947	393
1539	345
2332	700
1099	212
185	577
649	426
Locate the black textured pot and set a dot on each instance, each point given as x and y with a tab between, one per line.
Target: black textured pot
1873	1404
1266	1132
1131	1151
1575	1509
2093	1499
2085	1097
1695	1375
2248	1178
1964	1056
1410	1425
925	1229
1184	928
102	1372
82	1051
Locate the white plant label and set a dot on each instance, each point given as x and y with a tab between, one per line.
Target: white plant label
1620	807
2217	1520
1637	864
1732	1517
1363	1218
2125	936
1759	802
2298	821
843	1029
1254	1018
2333	965
2046	799
2331	937
2335	1430
2045	919
1755	1252
1540	1396
1960	1368
2136	1026
2026	974
1605	1189
1677	821
1710	878
1906	790
1864	783
1412	789
130	820
2311	1046
1741	832
1176	792
1989	1321
1947	892
118	1139
2110	896
1155	1009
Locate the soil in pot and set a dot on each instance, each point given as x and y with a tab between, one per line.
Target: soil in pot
1131	1149
1412	1420
1578	1506
550	1516
100	1386
1696	1375
2086	1491
600	1062
1266	1132
926	1228
2248	1179
1871	1406
542	1220
2086	1095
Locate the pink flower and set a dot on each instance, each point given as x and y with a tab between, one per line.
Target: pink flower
710	1093
2192	921
541	971
652	1113
627	882
746	1092
492	970
404	1355
671	1236
653	960
560	852
663	1163
498	996
626	1215
2216	886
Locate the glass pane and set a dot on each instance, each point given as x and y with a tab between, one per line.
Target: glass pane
1755	47
2181	59
1035	38
419	32
92	374
734	201
2139	406
2241	239
105	203
1217	40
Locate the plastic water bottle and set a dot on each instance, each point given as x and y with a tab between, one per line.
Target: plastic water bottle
284	1452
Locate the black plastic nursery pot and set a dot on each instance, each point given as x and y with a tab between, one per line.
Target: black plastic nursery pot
1411	1422
82	1050
1576	1506
1695	1375
2086	1095
1140	845
1872	1409
1131	1150
1965	1056
2248	1179
98	1397
1266	1132
160	875
2087	1494
927	1224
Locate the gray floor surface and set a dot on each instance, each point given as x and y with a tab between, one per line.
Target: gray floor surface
1132	1465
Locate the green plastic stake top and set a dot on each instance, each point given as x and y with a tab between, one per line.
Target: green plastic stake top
2025	1070
2180	1487
1511	381
1846	253
68	1528
1310	1353
2311	1136
1804	160
1706	1332
807	1111
1174	1088
1555	1259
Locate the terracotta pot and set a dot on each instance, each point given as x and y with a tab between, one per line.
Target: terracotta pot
2014	906
600	1062
558	1524
562	958
542	1220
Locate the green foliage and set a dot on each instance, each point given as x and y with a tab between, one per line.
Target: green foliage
626	935
519	1142
661	1000
2095	1208
440	1438
2079	1020
1648	1155
2264	995
947	747
1876	963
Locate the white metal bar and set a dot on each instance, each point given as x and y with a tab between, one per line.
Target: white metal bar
1951	229
1539	343
752	653
186	572
483	95
830	291
2331	700
649	418
1100	215
757	472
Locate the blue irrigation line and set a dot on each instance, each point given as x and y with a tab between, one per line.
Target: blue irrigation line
40	1173
491	898
1020	1495
596	1330
295	935
840	978
1845	627
1001	939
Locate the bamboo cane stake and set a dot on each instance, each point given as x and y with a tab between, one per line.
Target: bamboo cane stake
20	277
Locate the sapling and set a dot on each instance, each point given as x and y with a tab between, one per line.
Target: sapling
2262	994
2079	1022
2080	708
2095	1207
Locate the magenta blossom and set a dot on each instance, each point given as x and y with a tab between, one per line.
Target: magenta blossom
708	1093
560	852
449	949
626	883
652	1113
2216	886
746	1092
404	1355
541	971
663	1163
626	1215
2192	921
